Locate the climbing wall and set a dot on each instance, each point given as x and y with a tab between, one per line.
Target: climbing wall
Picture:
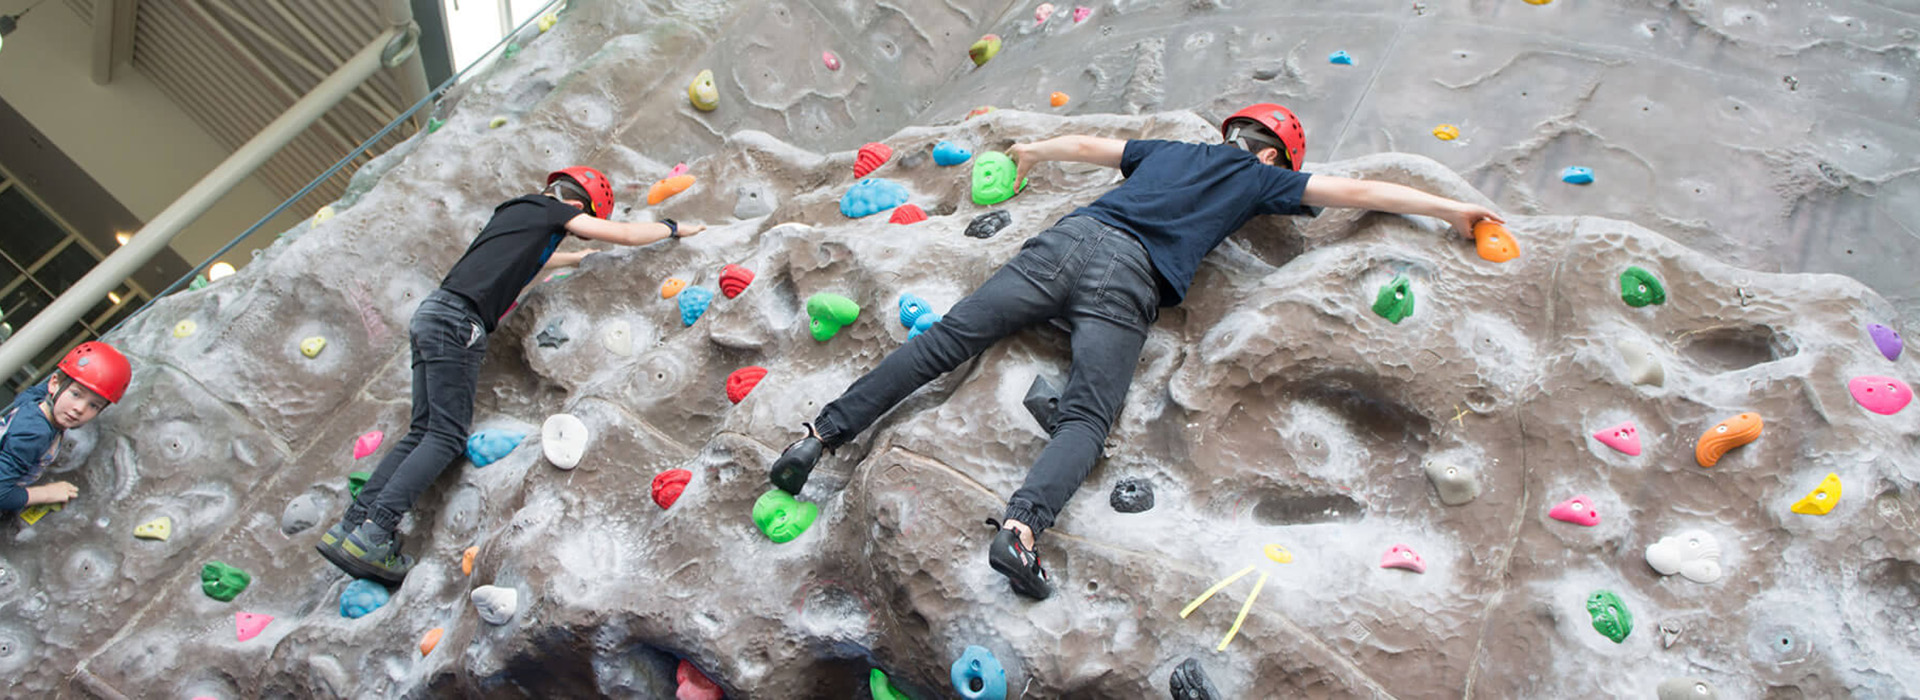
1421	458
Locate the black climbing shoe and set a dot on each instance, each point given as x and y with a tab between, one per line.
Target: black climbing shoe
1189	682
790	471
369	557
1020	565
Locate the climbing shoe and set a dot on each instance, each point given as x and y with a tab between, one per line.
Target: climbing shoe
1020	565
329	546
334	535
790	471
375	554
1189	682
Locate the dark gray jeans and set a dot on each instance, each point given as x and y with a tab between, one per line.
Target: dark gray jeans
449	341
1096	278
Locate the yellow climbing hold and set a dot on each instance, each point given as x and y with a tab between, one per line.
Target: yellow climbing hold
547	21
311	347
1279	554
320	217
32	514
156	529
184	328
1446	132
702	93
1538	2
1823	498
497	123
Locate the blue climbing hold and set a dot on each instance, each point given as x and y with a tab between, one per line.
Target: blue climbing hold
978	676
872	196
949	153
1576	175
361	597
693	303
920	325
1340	57
911	307
487	446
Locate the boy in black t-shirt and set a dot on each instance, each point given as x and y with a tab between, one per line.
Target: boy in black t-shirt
1105	270
448	337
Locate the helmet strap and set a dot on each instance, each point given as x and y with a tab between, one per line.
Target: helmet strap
1254	140
565	188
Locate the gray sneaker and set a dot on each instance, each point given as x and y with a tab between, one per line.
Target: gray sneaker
374	553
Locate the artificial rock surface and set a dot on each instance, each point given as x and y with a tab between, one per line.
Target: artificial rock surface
1273	407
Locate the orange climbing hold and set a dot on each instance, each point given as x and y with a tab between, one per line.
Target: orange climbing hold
466	559
734	280
672	287
667	188
430	640
870	158
908	214
1730	433
1494	242
982	110
1059	99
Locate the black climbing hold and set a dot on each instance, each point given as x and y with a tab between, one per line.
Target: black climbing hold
1043	401
985	225
551	336
1189	682
1132	496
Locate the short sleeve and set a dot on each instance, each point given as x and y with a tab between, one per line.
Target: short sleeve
1137	151
1284	191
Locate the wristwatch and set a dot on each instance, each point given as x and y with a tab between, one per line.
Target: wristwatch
673	227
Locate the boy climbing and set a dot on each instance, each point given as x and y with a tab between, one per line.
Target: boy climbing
92	376
1105	269
448	338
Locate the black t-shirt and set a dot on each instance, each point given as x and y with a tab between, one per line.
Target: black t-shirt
509	251
1182	199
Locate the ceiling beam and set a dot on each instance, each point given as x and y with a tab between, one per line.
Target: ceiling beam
112	37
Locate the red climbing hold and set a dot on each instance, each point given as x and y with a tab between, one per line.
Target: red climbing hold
908	214
248	625
695	685
734	280
871	157
668	485
742	382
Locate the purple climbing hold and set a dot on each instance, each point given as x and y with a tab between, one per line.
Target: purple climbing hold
1887	339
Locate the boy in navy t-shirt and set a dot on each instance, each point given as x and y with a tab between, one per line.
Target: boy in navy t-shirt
1105	270
92	376
448	338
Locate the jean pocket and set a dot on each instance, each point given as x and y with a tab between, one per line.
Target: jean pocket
1044	256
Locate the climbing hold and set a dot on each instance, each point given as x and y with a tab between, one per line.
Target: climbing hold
669	187
1642	366
734	280
487	446
1131	495
907	214
1669	633
1577	510
1395	300
34	513
1694	554
512	49
1728	434
693	303
671	287
617	338
466	559
947	153
979	676
156	529
367	443
1538	2
920	325
981	111
871	196
248	625
742	381
496	605
984	50
434	124
781	517
1278	554
1882	395
881	688
1446	132
552	336
985	225
563	439
870	158
222	582
1401	556
1822	499
1638	288
357	481
668	485
1043	401
832	61
1683	688
199	282
1576	175
1189	682
993	179
694	685
1042	13
1058	99
497	122
321	216
431	639
1494	243
702	93
753	200
1456	485
1340	58
1081	13
1610	615
911	307
1623	437
829	313
361	597
302	512
1887	339
312	346
547	21
184	328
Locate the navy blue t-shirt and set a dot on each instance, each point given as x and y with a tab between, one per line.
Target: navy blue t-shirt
1182	199
28	443
508	253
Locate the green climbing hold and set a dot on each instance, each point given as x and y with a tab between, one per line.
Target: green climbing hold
882	688
222	582
198	282
434	124
357	481
508	53
993	179
830	313
781	517
1610	615
1395	302
1639	287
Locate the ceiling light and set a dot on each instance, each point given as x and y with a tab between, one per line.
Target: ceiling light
113	297
219	271
122	237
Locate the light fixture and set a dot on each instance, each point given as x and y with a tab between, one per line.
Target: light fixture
8	23
219	271
122	237
113	297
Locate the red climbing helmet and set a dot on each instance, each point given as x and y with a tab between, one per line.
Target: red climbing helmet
97	366
1278	121
598	187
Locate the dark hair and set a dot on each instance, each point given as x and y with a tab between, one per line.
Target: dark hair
565	188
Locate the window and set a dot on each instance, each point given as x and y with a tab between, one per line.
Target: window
41	257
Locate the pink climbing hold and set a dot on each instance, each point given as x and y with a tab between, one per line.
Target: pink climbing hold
1042	13
908	214
1623	437
248	625
366	444
1081	13
870	158
1403	557
1577	510
1882	395
832	61
678	170
694	685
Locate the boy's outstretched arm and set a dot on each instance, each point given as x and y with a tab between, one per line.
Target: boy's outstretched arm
1330	191
1073	147
625	232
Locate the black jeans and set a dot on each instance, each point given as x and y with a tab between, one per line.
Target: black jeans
1100	281
449	341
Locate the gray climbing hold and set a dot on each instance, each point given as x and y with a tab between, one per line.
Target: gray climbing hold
1042	401
496	605
1642	366
985	225
1457	485
552	336
303	512
1132	496
1669	633
1686	689
752	201
1189	682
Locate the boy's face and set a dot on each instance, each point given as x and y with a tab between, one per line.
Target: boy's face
74	406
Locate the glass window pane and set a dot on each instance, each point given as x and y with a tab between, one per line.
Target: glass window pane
125	310
64	269
30	233
74	336
93	315
8	274
21	304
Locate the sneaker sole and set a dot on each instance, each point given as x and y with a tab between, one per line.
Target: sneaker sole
356	568
1016	579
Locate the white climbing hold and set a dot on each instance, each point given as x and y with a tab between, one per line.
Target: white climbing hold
563	438
496	605
1642	366
1694	554
1457	485
618	337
